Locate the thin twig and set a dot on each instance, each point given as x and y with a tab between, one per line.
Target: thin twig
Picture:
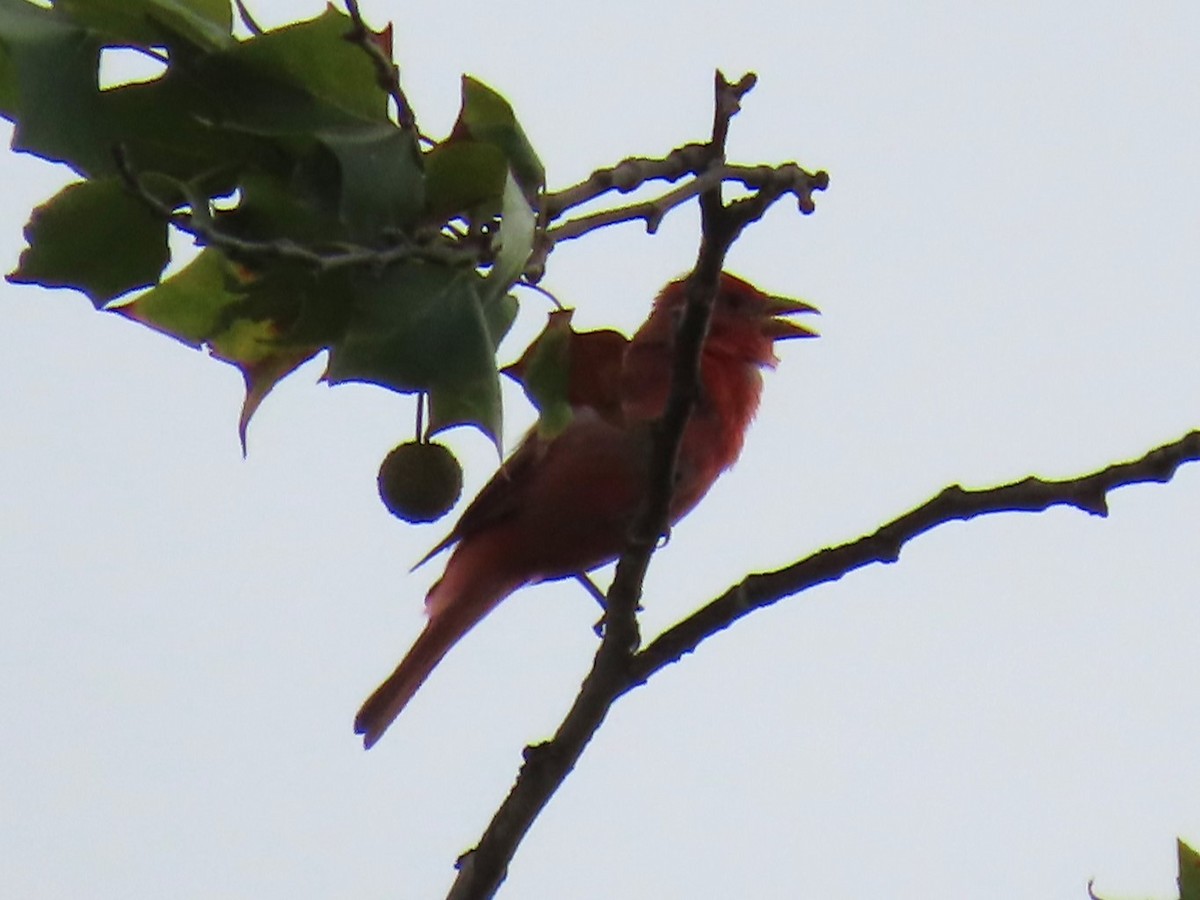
248	20
649	211
156	55
200	225
592	590
628	175
539	289
785	178
386	71
770	182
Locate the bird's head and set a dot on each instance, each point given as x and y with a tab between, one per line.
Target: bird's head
745	321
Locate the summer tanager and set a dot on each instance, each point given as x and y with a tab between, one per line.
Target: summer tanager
564	504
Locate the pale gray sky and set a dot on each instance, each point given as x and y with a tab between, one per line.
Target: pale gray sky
1007	264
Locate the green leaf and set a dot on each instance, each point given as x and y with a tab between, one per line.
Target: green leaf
165	126
486	116
262	376
461	175
272	208
382	183
48	86
206	304
10	94
203	23
545	371
564	371
499	314
307	307
51	89
422	327
1189	872
207	15
194	305
322	78
515	237
96	237
353	185
244	317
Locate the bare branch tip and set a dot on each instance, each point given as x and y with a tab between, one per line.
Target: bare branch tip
745	84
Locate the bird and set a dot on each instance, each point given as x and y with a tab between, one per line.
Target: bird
563	503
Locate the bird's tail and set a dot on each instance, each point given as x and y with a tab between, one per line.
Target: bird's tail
463	596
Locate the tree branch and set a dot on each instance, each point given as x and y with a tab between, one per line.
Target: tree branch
628	175
786	178
619	666
386	71
1086	492
634	172
547	764
649	211
483	869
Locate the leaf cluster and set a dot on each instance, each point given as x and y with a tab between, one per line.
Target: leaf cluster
327	222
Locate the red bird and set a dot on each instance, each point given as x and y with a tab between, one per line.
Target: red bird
564	504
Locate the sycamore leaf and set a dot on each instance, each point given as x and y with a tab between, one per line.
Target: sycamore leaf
166	126
461	175
515	237
321	78
486	116
95	237
263	375
197	19
190	305
206	304
253	105
1189	872
244	317
358	184
272	206
499	313
422	327
544	372
382	186
487	168
51	90
9	90
564	370
203	23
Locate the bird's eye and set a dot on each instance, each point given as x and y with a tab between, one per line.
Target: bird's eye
733	302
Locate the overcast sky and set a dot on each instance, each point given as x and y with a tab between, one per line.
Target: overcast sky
1007	264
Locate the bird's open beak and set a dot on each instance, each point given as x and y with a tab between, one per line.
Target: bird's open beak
779	329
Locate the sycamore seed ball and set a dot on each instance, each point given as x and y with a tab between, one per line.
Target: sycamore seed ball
419	482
